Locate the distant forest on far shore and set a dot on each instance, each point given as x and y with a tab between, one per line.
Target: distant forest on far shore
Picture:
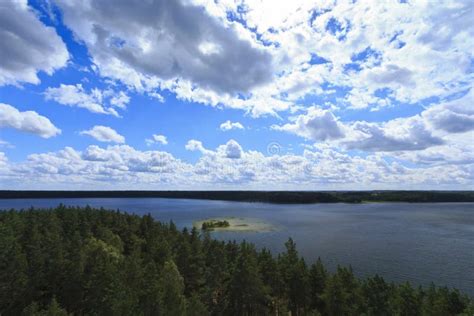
278	197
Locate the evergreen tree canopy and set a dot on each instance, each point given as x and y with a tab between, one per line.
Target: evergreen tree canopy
84	261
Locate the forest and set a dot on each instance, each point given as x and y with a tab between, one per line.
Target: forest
277	197
85	261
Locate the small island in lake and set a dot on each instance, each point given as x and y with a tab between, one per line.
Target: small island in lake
209	225
237	224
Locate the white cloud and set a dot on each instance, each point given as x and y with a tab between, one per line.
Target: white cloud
232	149
27	121
276	54
316	124
412	51
163	40
228	125
270	57
104	134
195	145
27	45
157	139
395	135
230	166
433	127
120	100
94	101
452	117
156	95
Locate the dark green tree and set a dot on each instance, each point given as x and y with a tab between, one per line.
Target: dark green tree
317	281
408	300
173	300
377	293
246	290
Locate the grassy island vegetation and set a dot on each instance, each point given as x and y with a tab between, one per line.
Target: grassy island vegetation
84	261
210	225
237	224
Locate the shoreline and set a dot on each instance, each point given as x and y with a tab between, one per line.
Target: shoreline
272	197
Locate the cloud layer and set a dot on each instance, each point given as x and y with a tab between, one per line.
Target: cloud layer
228	166
378	93
432	127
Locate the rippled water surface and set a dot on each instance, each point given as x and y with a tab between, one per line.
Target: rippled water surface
419	243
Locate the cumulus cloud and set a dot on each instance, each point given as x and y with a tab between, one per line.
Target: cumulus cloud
433	127
115	166
195	145
120	100
395	135
316	124
157	139
104	134
264	57
232	149
379	53
453	117
375	55
76	95
27	45
27	121
402	134
157	96
228	125
167	40
321	167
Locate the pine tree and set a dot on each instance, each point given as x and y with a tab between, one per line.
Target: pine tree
377	293
295	274
246	290
196	307
173	301
317	280
13	272
408	301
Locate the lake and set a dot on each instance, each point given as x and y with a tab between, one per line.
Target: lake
419	243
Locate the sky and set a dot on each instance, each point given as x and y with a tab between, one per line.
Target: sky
221	94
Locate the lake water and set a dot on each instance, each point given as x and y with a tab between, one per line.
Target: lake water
419	243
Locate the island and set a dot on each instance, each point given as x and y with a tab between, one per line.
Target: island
236	224
210	225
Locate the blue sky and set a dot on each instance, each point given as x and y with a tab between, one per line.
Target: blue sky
236	95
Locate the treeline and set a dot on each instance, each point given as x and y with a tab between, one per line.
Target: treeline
84	261
279	197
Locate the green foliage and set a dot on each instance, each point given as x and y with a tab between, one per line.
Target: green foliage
210	225
172	297
53	309
84	261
